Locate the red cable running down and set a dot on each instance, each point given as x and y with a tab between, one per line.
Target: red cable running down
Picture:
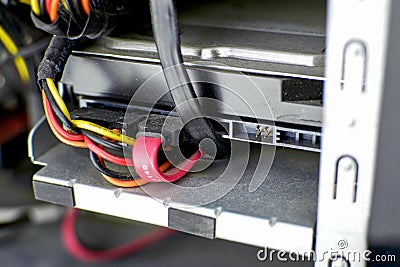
76	249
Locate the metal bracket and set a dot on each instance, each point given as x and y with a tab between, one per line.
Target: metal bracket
357	47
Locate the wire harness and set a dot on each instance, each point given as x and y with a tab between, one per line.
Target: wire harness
102	142
78	18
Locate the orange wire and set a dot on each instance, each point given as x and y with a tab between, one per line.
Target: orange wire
116	182
132	183
121	183
165	166
59	137
54	10
86	6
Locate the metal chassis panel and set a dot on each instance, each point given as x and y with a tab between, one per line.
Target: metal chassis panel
358	33
284	220
355	73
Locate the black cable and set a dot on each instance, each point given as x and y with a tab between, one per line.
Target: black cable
166	34
64	120
99	140
76	11
104	170
42	7
51	66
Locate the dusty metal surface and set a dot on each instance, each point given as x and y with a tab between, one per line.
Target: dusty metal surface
281	212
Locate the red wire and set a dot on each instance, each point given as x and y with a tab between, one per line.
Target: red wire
142	150
92	146
47	4
146	151
76	249
107	156
57	126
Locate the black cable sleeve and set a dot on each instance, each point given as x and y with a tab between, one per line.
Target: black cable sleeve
104	170
61	27
74	23
76	11
55	58
166	33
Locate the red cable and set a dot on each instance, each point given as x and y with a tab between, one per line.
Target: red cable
91	145
147	148
76	249
146	161
107	156
47	5
57	126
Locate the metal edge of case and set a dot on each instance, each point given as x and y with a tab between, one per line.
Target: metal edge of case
355	73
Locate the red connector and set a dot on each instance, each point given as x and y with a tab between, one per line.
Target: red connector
145	154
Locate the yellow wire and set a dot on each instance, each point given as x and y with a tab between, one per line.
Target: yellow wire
22	69
65	4
57	97
35	7
8	42
79	144
26	2
90	126
12	48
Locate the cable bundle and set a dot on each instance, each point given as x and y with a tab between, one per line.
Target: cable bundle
85	134
77	18
80	133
